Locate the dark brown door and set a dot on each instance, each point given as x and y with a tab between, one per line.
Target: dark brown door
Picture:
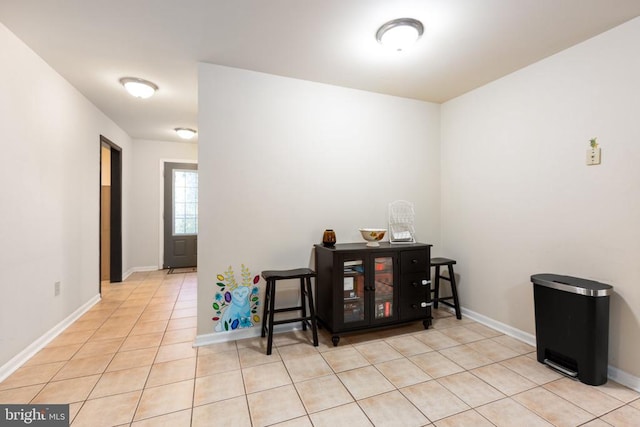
180	215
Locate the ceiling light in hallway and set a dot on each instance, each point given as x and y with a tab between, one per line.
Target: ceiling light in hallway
139	88
400	33
185	133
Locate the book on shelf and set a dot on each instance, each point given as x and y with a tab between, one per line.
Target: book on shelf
348	283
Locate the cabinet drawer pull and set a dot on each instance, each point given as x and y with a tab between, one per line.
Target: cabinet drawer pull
426	282
422	305
414	261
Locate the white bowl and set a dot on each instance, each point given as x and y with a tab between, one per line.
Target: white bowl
373	235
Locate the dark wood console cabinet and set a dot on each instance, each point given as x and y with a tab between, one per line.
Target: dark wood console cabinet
360	287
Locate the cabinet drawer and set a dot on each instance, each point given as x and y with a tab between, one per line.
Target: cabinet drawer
413	289
418	281
414	261
414	304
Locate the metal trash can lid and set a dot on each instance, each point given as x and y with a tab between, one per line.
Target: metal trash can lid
574	285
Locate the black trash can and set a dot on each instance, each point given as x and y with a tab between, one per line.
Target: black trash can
572	325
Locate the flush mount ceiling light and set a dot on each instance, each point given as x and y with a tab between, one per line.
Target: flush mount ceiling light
400	33
139	88
185	133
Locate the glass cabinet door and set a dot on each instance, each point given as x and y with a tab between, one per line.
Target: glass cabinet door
383	288
353	299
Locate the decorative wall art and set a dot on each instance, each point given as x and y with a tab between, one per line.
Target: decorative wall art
236	305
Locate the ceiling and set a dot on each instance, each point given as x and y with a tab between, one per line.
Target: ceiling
466	44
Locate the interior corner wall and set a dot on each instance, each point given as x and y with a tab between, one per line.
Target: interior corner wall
281	160
518	198
145	197
49	222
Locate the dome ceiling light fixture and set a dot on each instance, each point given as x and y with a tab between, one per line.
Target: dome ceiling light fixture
139	88
400	33
185	133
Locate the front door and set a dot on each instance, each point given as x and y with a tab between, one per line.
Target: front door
180	215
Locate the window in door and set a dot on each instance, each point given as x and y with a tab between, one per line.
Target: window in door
185	202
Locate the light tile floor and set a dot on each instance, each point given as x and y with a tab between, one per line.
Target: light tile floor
130	361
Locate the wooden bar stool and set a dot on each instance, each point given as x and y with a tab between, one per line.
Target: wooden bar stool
306	296
441	262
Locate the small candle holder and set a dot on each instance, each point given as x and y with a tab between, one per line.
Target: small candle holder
329	238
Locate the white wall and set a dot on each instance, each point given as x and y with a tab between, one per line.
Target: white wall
146	195
280	160
49	225
518	199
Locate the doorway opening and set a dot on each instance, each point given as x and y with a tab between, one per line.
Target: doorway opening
110	212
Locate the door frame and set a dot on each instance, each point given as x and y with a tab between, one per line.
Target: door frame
115	235
161	207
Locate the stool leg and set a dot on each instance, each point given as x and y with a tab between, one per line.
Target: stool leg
265	303
272	297
303	304
436	293
454	292
312	312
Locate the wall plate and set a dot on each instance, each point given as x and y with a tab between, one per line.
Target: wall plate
593	156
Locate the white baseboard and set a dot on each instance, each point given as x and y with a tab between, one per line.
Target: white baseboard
623	378
499	326
613	373
239	334
132	270
21	358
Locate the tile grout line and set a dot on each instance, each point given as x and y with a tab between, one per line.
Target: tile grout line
118	351
144	387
